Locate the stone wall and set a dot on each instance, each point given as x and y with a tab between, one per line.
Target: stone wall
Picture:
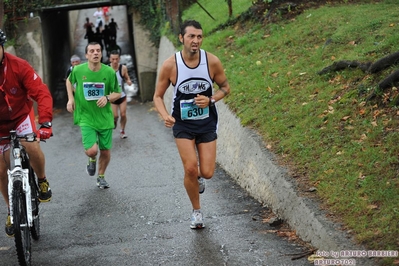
29	44
146	59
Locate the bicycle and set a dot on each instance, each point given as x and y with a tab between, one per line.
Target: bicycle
23	194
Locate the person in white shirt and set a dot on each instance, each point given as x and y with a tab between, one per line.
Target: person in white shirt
99	15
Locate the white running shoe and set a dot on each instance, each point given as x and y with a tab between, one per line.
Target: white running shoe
196	220
123	135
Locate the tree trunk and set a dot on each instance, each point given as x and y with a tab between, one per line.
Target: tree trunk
230	8
384	63
390	81
1	14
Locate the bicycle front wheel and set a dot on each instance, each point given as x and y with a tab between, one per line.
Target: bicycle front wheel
33	182
21	226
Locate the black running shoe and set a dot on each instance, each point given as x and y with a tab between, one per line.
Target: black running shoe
91	167
45	191
9	227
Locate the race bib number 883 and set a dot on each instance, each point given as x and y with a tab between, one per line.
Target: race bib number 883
93	91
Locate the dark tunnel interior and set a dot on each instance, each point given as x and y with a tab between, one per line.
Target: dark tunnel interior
57	46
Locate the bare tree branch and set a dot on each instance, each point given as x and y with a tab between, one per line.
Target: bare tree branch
204	10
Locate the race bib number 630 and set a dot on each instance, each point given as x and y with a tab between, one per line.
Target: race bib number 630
190	111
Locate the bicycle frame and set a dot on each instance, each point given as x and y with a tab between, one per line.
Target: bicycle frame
22	185
16	172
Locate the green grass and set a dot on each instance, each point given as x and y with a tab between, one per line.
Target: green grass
321	125
219	11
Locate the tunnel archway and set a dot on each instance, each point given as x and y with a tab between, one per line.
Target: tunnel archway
59	25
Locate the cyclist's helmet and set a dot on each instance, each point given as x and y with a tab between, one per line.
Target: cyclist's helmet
3	38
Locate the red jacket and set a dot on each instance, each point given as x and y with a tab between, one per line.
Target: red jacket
21	86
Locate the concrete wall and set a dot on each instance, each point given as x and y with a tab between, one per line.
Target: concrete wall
73	17
146	59
242	153
29	44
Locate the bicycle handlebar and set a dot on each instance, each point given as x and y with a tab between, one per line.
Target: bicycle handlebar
30	137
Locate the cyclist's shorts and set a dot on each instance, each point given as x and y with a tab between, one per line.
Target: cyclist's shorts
91	136
199	138
26	126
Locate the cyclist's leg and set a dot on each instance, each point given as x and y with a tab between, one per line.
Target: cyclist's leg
3	172
4	165
36	155
37	159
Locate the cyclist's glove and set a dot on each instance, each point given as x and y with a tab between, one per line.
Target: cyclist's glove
45	133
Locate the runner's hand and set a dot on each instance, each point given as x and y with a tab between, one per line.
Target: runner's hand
201	101
169	121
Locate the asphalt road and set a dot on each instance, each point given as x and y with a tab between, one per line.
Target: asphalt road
143	218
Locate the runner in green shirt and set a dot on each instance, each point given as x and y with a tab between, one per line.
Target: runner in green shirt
96	87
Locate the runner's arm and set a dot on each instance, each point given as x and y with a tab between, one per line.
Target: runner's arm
71	99
126	75
164	81
219	78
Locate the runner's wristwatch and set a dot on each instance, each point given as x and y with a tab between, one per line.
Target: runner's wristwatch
211	101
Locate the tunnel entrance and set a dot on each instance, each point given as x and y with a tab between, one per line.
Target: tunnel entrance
64	35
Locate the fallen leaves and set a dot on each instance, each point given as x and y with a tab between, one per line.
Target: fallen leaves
362	111
345	118
284	232
372	206
291	235
363	137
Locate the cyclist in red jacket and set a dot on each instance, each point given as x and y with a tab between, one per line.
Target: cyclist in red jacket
19	87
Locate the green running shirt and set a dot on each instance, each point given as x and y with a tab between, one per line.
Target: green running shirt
89	87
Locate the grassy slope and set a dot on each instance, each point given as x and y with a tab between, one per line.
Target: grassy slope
322	126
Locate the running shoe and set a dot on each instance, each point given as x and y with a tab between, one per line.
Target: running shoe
201	183
196	220
91	167
123	135
45	191
101	183
9	227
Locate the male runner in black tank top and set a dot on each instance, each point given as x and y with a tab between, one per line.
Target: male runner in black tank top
119	106
193	117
